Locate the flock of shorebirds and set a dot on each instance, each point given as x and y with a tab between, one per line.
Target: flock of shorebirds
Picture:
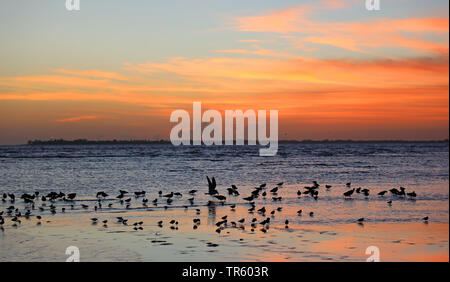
48	203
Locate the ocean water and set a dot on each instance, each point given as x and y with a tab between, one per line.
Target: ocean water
87	169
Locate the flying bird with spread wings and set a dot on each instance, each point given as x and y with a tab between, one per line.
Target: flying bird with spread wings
212	186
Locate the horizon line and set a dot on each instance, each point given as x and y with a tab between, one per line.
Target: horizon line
84	141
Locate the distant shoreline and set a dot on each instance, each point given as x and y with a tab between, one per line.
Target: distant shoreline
143	142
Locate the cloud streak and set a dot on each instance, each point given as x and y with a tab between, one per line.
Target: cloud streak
74	119
365	36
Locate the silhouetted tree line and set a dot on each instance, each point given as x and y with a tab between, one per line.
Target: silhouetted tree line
115	141
92	142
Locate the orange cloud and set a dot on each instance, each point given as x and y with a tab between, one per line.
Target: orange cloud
94	74
320	92
73	119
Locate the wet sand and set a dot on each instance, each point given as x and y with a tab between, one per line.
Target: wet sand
405	241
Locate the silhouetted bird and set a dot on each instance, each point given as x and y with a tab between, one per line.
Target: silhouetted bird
220	197
212	186
101	194
139	193
349	193
249	198
394	191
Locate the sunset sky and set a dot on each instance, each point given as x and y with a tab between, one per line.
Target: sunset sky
118	68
